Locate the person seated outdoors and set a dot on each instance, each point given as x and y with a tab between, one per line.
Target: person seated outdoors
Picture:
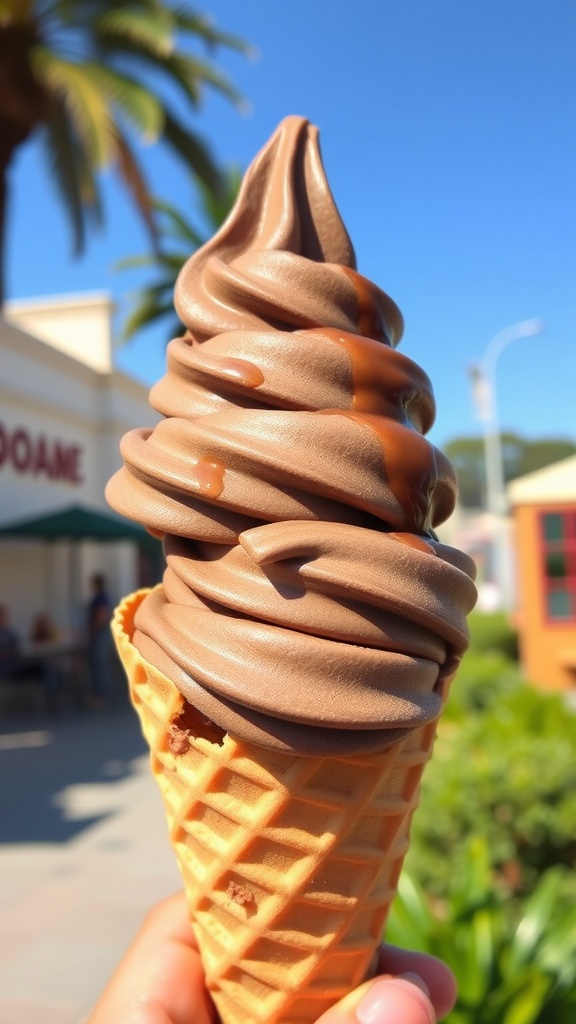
9	645
43	630
19	668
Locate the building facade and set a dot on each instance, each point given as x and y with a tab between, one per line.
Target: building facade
63	409
544	507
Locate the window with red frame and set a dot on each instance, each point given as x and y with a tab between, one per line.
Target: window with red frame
558	530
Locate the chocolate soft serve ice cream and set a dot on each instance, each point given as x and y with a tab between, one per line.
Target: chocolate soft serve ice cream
290	669
306	605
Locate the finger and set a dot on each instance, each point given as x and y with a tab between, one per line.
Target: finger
160	979
383	1001
436	975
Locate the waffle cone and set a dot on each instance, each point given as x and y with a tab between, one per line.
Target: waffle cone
290	863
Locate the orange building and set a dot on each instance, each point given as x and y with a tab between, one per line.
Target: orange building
544	508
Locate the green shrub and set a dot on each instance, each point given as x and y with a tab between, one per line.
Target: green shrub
494	845
503	770
482	681
492	631
511	968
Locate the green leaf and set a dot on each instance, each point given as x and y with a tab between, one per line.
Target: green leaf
74	177
504	995
147	310
472	975
204	26
135	100
537	913
400	929
191	71
77	86
133	178
459	1017
475	887
151	30
483	944
528	1004
89	190
62	152
410	922
132	262
177	226
217	204
192	150
557	952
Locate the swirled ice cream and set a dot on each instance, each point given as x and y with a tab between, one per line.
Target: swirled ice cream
306	603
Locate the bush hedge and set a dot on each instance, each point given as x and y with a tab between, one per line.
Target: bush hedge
511	968
493	632
504	769
494	845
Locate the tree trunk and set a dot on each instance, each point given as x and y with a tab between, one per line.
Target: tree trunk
3	206
8	146
23	105
10	140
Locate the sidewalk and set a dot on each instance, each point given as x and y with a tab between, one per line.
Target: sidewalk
83	854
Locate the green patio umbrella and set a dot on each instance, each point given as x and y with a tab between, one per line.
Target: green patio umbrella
77	523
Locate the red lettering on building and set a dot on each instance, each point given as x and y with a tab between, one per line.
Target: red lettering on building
3	445
20	450
37	454
59	467
41	460
75	465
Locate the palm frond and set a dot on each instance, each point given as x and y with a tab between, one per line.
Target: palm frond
188	72
176	226
216	204
62	153
134	262
77	86
193	72
151	30
147	309
73	173
133	177
150	303
203	25
192	150
13	12
168	263
99	65
134	99
171	264
89	190
177	68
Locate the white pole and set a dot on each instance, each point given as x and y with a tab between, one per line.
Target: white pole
484	378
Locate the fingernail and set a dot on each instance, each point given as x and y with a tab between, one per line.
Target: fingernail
393	1000
415	979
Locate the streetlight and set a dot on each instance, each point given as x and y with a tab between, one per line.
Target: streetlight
484	393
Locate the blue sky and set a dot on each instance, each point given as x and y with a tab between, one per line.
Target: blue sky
448	129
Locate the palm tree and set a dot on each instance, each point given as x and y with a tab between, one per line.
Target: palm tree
89	72
179	238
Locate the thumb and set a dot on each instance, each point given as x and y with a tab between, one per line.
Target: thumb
384	1000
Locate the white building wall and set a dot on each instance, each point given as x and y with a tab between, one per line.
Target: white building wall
60	426
76	325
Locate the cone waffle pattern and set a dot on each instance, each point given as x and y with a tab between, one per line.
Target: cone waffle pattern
290	863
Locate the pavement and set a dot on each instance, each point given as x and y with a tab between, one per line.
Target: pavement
83	854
